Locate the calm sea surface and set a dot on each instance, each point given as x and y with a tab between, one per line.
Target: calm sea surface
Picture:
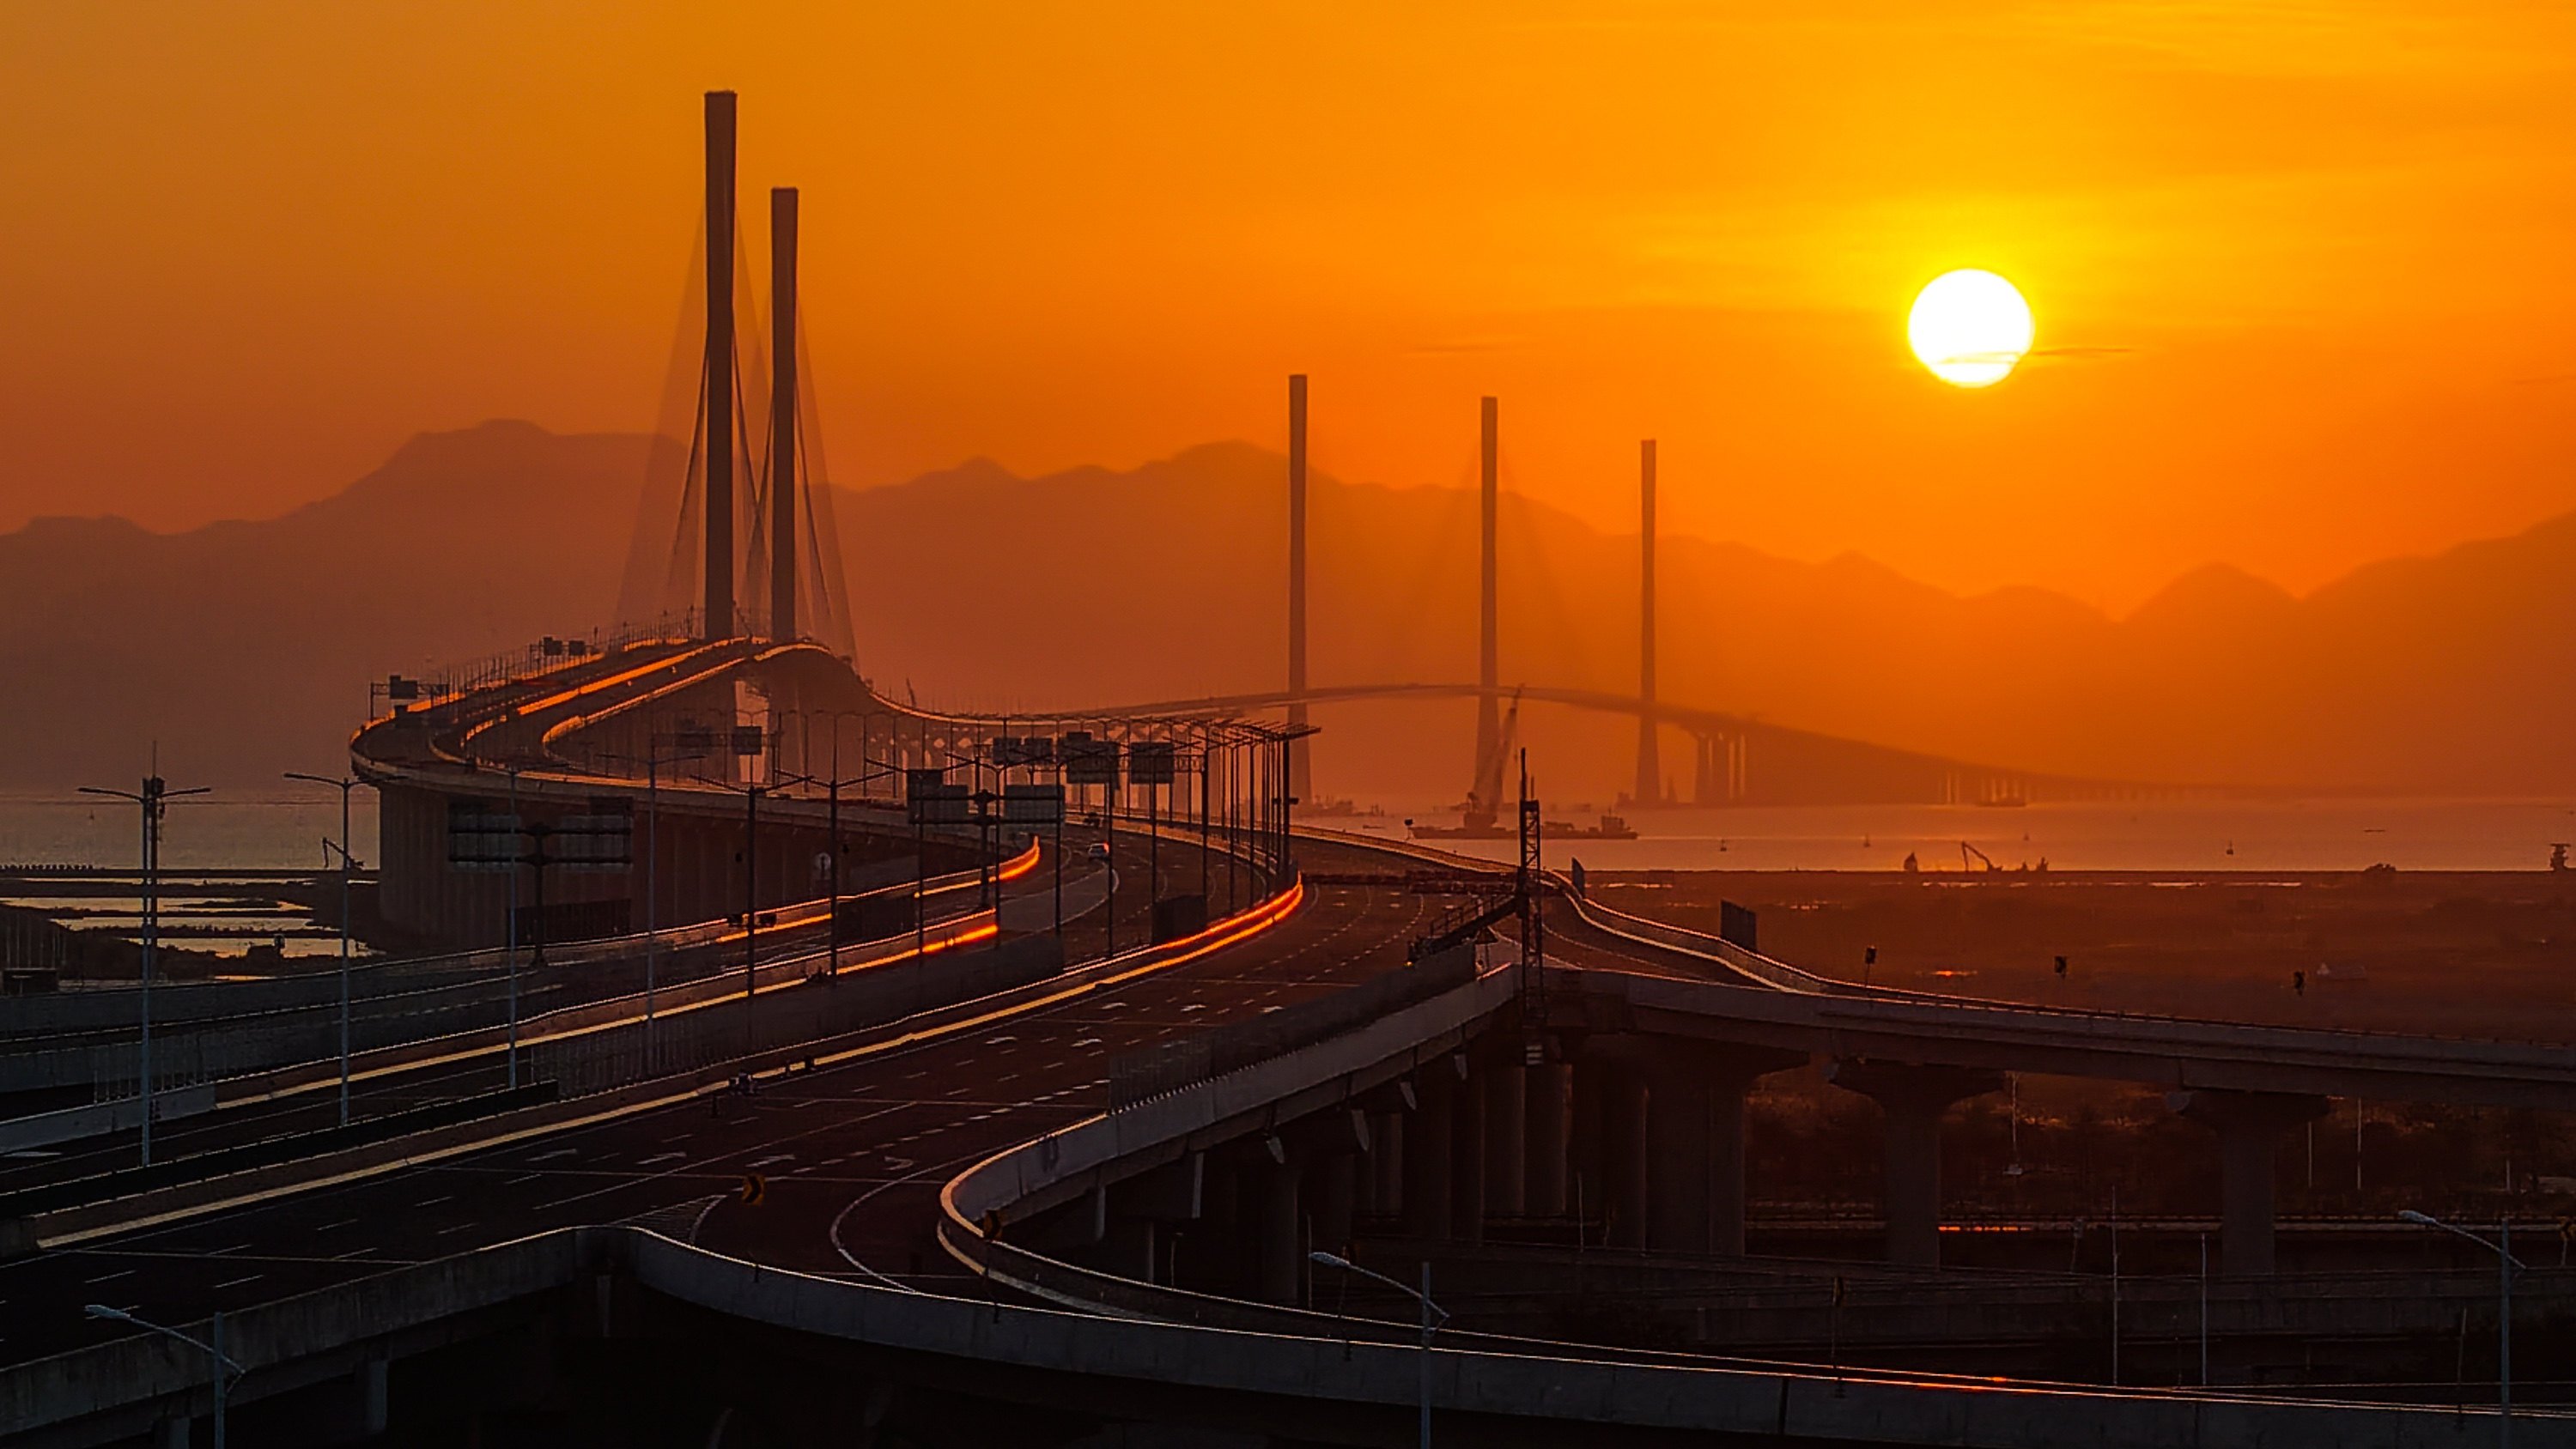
270	829
222	830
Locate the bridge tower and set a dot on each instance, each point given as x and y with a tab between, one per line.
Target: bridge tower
1300	768
1489	723
782	413
1650	788
717	381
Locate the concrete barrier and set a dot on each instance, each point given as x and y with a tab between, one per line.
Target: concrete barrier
124	1114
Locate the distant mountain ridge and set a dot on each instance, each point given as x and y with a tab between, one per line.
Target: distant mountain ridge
245	647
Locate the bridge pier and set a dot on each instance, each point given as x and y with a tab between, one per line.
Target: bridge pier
1426	1152
1694	1133
1543	1114
1274	1182
1913	1099
1610	1117
2249	1127
1144	1207
1387	1148
1506	1084
1467	1153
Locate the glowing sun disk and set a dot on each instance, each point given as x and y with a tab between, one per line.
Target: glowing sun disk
1971	328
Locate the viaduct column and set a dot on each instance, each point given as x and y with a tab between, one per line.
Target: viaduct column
1545	1117
1650	775
1506	1088
1695	1141
2249	1127
1300	771
1426	1152
1614	1096
782	413
1274	1182
1466	1152
718	378
1913	1099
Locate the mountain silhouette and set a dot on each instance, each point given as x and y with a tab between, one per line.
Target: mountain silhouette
244	648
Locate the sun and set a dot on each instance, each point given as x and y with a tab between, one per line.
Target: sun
1971	328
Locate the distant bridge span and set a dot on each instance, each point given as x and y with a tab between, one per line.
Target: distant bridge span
1741	760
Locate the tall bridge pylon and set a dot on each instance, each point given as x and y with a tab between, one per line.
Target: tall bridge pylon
744	517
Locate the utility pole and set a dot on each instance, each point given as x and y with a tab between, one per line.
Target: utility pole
153	798
344	784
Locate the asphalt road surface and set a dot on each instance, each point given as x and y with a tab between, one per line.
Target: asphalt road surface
853	1154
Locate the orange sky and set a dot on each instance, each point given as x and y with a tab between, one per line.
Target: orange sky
2309	262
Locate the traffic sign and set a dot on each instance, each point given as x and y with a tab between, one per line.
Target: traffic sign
754	1188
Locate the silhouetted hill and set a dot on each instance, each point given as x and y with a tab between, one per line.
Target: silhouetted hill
246	647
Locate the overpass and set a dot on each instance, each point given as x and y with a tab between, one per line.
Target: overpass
1018	1184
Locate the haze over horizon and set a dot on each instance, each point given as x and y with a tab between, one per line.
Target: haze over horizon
2295	270
2441	674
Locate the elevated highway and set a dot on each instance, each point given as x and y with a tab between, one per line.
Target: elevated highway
869	1157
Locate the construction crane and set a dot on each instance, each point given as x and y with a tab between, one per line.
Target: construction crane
1966	850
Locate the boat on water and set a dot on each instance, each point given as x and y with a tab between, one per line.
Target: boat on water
1485	827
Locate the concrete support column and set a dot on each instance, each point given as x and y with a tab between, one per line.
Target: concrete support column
1586	1191
1279	1252
1387	1143
1506	1117
1141	1210
1726	1192
1913	1099
1677	1155
1543	1115
1467	1158
374	1401
1623	1157
1332	1187
1426	1153
2249	1127
1132	1248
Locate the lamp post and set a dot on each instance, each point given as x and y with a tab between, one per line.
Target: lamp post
344	784
1335	1260
2506	1262
154	799
212	1347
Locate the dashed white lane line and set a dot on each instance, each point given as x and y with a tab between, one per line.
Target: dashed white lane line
662	1157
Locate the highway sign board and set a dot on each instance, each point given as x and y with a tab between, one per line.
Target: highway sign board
1149	762
1033	804
1088	761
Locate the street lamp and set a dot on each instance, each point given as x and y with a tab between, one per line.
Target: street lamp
1429	1326
226	1371
2506	1262
154	798
348	863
